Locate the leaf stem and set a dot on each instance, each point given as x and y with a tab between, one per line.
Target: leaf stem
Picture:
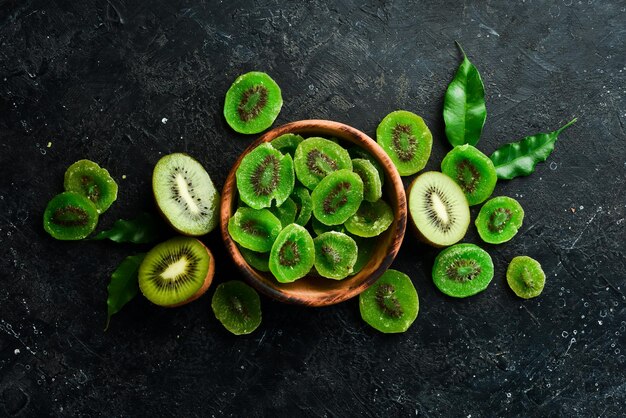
567	125
461	48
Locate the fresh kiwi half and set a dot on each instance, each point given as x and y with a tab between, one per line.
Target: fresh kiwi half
337	197
185	194
292	255
335	255
357	152
391	304
287	143
317	157
525	277
472	170
265	175
258	261
70	216
372	187
286	213
254	229
438	208
252	103
304	204
366	248
406	139
372	219
237	306
90	180
499	219
176	272
462	270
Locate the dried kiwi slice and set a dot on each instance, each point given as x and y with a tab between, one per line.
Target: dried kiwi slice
286	213
365	250
462	270
406	139
525	277
287	143
252	103
292	255
372	219
391	304
237	306
335	255
472	170
265	175
337	197
319	228
499	219
90	180
259	261
316	157
304	204
254	229
358	152
70	216
372	187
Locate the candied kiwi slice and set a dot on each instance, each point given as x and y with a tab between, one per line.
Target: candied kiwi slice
252	103
237	306
319	228
304	204
258	261
391	304
438	209
372	219
337	197
472	170
335	255
366	248
525	277
254	229
499	219
293	254
406	139
70	216
90	180
317	157
287	143
372	187
462	270
176	272
286	213
359	153
265	175
185	194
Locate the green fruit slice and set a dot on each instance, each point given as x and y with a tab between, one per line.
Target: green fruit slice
237	306
337	197
287	143
335	255
525	277
360	153
304	204
292	255
90	180
499	219
319	228
462	270
366	248
372	187
372	219
316	157
70	216
254	229
258	261
286	213
472	170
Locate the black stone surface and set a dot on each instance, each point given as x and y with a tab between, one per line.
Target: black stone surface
124	82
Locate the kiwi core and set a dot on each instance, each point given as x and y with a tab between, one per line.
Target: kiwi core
404	142
266	175
439	210
467	176
387	301
463	270
337	198
499	219
175	269
70	216
319	163
252	103
289	255
181	186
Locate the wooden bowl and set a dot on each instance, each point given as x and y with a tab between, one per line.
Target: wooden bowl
314	290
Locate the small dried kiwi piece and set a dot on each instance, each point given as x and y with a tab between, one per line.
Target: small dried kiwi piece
525	277
70	216
317	157
472	170
372	219
337	197
265	175
358	152
237	306
366	248
287	143
335	255
462	270
254	229
293	254
185	194
304	204
406	139
372	187
258	261
286	213
391	304
252	103
92	181
499	219
438	209
176	272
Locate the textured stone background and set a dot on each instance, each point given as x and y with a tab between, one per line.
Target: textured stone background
123	82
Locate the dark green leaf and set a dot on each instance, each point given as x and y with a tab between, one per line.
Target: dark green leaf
464	110
520	158
124	285
141	230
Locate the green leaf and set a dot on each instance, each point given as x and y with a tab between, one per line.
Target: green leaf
141	230
520	158
124	285
464	110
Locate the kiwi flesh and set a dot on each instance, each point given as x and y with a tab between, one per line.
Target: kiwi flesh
176	272
366	248
258	261
438	209
70	216
319	228
525	277
317	157
92	181
337	197
185	194
359	153
252	103
287	143
292	255
286	213
372	187
237	306
472	170
304	205
263	176
499	219
372	219
462	270
406	139
391	304
335	255
254	229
